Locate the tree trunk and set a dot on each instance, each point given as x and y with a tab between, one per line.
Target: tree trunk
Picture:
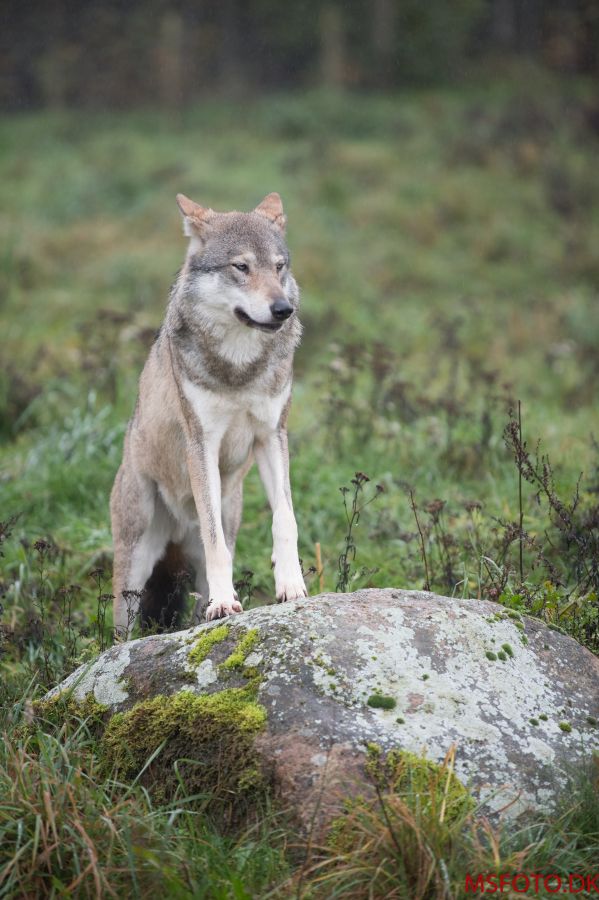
231	68
384	22
503	24
332	47
171	61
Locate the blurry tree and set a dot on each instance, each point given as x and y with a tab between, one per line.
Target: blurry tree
433	37
171	58
332	46
384	41
231	53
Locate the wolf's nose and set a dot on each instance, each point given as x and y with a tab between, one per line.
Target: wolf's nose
281	310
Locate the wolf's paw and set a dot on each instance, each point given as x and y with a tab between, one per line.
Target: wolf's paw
221	609
290	588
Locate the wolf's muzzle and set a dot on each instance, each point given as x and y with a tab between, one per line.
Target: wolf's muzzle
251	323
281	309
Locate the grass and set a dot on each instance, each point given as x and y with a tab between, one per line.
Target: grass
444	242
417	840
67	830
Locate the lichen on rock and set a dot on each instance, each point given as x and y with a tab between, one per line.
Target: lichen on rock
103	678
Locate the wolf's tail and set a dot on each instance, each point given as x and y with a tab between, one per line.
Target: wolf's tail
163	600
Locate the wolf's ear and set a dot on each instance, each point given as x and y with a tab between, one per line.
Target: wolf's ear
195	217
272	209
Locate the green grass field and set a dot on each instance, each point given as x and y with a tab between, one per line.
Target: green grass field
445	243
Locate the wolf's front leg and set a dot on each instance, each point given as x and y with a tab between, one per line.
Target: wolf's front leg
206	486
272	456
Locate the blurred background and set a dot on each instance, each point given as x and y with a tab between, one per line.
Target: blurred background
161	52
438	165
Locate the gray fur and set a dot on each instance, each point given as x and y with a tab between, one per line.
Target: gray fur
175	474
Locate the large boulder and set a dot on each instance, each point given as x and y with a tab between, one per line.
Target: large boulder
296	692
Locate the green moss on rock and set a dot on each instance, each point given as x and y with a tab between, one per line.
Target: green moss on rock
63	707
380	701
207	742
431	791
204	644
243	649
341	836
62	713
419	782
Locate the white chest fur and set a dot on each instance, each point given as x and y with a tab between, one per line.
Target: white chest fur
232	423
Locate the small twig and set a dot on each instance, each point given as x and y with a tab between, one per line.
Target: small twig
319	568
449	762
521	521
427	583
352	516
388	822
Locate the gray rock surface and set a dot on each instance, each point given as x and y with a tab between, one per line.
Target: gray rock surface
521	721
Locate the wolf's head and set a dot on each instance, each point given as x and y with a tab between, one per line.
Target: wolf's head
236	274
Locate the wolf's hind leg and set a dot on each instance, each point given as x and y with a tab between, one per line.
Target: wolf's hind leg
165	593
193	550
141	532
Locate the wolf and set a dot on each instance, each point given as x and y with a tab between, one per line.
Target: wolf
213	396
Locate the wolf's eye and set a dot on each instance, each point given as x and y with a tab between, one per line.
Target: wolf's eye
241	267
280	266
